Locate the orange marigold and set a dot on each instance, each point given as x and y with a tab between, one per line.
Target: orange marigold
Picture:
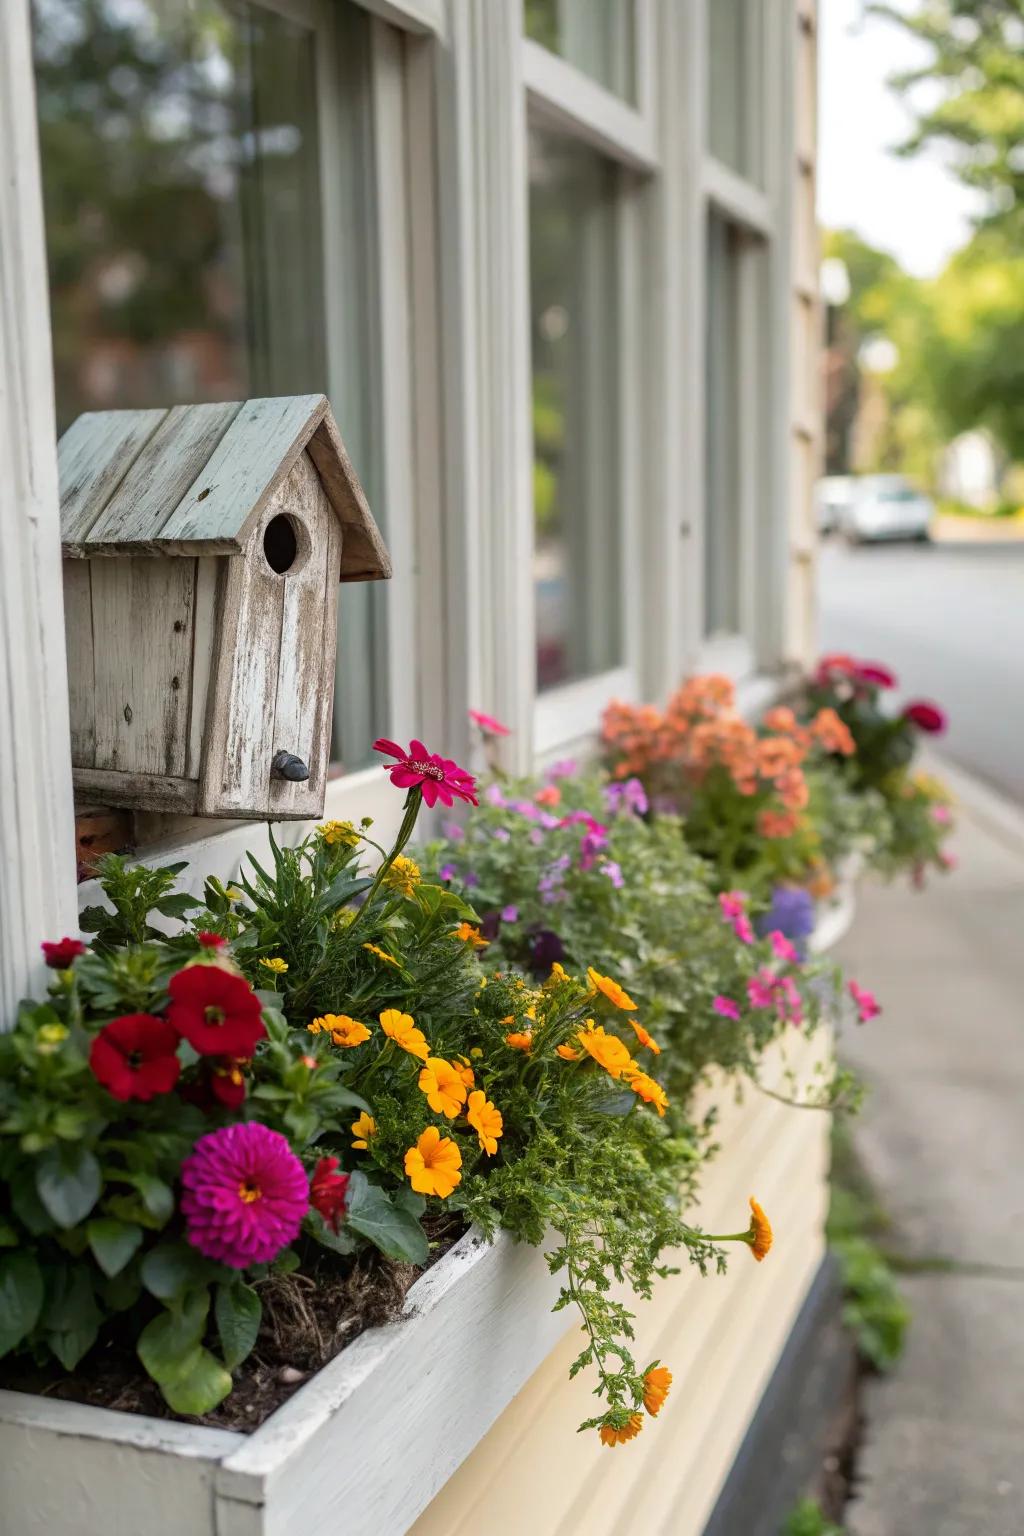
646	1040
443	1085
760	1236
567	1053
657	1382
607	1050
611	989
486	1120
650	1091
432	1165
470	935
522	1041
611	1435
401	1028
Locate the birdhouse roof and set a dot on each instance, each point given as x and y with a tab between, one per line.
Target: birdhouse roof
191	480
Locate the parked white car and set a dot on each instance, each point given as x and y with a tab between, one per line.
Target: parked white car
832	496
886	507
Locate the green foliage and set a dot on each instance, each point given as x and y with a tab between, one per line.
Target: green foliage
874	1309
807	1519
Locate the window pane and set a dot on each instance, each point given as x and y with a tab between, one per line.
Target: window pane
598	36
723	428
734	105
576	409
182	188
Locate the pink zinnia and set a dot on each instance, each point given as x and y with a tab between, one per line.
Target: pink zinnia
437	777
245	1195
726	1007
867	1005
487	723
874	672
926	716
782	947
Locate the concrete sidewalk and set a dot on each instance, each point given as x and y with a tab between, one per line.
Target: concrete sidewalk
942	1138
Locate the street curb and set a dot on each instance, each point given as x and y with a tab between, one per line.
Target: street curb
982	804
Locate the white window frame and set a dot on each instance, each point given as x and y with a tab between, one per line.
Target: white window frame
562	97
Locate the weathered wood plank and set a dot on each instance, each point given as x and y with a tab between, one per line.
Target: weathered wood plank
204	630
79	647
142	635
305	677
364	555
94	455
238	740
146	498
37	866
137	791
245	469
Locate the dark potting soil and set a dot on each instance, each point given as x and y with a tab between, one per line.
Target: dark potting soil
308	1319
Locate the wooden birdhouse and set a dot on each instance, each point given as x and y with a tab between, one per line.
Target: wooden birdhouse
203	546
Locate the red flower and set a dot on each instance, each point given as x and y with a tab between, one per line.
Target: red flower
134	1057
926	716
60	955
488	724
874	672
438	777
328	1191
835	664
216	1011
227	1081
209	940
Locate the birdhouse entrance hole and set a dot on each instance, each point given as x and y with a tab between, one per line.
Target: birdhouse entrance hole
281	543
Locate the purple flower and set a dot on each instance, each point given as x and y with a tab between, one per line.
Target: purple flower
549	886
502	834
245	1195
545	948
565	768
547	821
536	837
490	925
447	872
591	844
614	873
628	795
510	914
494	796
791	914
469	879
453	832
524	808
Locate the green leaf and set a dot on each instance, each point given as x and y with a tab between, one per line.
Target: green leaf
68	1182
341	891
21	1298
177	906
8	1237
29	1209
238	1310
113	1242
395	1231
167	1344
92	919
286	1262
199	1388
70	1314
408	1200
337	1242
157	1197
171	1269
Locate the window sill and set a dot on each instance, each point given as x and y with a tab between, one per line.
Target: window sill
564	718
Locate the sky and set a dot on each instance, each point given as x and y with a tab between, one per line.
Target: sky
915	209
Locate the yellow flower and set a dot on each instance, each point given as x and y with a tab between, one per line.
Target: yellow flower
644	1038
333	832
607	1050
611	989
629	1431
442	1083
567	1053
364	1127
760	1235
476	1052
521	1042
470	935
49	1037
558	975
343	919
403	875
465	1071
432	1165
648	1090
486	1121
233	893
382	954
342	1029
401	1028
657	1382
277	965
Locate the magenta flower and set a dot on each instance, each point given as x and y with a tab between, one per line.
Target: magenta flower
565	768
437	777
726	1007
761	988
926	716
245	1195
941	815
782	948
733	906
874	672
487	723
790	1003
510	914
867	1004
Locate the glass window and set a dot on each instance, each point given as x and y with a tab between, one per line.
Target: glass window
182	181
734	105
576	409
723	427
597	36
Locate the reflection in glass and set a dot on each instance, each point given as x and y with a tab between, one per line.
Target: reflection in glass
181	183
733	105
722	427
576	409
597	36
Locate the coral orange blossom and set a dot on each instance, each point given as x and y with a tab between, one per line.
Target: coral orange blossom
758	1236
432	1165
611	990
612	1434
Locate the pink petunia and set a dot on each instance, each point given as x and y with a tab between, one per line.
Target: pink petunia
761	988
437	778
926	716
726	1007
488	724
874	672
867	1004
782	947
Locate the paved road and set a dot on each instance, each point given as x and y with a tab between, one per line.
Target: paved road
950	622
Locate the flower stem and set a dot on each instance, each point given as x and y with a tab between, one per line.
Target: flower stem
405	831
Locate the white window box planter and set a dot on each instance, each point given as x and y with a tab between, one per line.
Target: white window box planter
366	1444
